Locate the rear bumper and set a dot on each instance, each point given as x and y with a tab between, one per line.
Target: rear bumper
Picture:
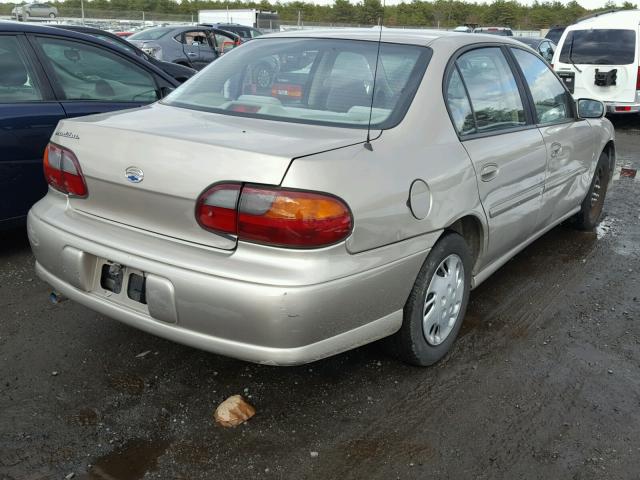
314	305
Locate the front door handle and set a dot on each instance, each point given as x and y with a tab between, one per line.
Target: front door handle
191	54
556	148
489	172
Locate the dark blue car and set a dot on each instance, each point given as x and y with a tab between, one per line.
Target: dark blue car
47	74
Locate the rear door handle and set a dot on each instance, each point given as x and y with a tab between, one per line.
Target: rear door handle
556	148
489	172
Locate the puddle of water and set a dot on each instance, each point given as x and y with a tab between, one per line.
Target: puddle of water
129	462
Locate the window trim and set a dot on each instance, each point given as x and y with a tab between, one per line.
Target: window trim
572	105
526	102
59	93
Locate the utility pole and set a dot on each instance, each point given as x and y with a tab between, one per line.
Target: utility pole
82	10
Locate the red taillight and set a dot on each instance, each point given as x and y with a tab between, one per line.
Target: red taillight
623	109
62	171
638	80
217	208
274	216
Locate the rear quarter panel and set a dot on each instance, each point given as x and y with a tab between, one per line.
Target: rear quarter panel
376	184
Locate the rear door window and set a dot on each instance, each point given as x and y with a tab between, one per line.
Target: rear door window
599	47
459	106
17	79
85	72
492	89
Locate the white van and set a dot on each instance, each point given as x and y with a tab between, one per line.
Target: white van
598	58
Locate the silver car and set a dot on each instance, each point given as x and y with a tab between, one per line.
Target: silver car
359	192
34	10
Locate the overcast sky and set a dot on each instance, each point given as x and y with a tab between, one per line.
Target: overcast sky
585	3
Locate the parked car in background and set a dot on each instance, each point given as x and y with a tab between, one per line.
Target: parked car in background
544	47
555	33
463	29
502	31
192	46
48	74
244	32
598	58
180	72
34	10
235	218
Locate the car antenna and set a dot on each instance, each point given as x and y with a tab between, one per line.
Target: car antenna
367	144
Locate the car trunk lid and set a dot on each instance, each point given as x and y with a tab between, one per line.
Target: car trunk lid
146	168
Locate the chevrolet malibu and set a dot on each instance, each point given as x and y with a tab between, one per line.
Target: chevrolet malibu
311	192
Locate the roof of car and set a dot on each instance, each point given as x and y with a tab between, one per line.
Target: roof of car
22	27
618	19
532	40
391	35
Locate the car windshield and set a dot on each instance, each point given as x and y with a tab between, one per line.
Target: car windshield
151	34
308	80
599	47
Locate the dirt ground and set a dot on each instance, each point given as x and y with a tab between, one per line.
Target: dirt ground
544	381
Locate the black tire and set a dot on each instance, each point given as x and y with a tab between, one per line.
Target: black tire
410	343
52	15
591	209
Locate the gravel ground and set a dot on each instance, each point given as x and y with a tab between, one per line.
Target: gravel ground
544	381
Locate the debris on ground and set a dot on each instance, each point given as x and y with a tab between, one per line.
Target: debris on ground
233	411
314	454
143	354
55	298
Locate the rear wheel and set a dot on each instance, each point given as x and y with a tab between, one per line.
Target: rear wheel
436	306
52	15
591	209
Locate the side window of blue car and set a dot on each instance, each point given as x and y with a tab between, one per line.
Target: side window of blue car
17	80
87	72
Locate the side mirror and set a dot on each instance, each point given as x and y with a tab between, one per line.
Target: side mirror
588	108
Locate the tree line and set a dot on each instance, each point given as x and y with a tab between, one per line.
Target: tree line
418	13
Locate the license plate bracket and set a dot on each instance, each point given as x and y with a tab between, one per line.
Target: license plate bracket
112	277
122	283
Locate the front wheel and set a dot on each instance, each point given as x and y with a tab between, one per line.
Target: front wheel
52	15
436	306
591	209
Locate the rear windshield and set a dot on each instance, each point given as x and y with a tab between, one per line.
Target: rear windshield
308	80
502	32
554	34
151	34
599	47
241	31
